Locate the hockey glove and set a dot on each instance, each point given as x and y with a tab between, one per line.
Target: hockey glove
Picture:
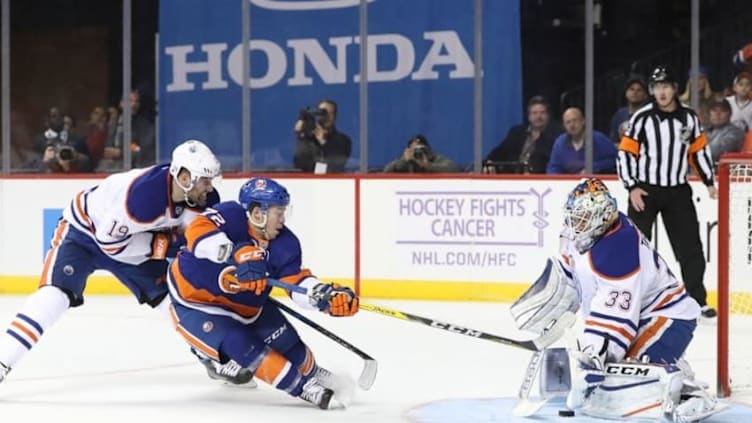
334	299
250	262
166	244
587	374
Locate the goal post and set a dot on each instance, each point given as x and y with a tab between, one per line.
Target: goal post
734	273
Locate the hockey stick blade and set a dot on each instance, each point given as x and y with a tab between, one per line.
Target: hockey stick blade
370	365
527	407
537	344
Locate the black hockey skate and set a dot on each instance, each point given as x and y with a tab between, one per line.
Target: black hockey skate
317	394
230	372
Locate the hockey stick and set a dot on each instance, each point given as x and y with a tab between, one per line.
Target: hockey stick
368	375
547	338
526	406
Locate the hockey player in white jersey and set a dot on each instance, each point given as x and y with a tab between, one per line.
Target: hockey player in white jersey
129	225
638	318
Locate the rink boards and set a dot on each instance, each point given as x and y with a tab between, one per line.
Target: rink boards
452	238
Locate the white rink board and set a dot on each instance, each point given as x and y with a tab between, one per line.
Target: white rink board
508	241
519	228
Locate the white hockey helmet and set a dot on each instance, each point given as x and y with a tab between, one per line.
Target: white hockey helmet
196	158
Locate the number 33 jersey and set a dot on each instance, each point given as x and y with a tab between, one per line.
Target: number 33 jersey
625	286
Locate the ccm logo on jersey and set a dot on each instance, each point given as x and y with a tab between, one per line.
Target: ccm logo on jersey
627	370
456	329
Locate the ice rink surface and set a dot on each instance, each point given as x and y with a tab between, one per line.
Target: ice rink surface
114	361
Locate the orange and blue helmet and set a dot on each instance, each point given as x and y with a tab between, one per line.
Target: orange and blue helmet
589	212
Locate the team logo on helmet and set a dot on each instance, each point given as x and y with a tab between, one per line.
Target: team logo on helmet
260	184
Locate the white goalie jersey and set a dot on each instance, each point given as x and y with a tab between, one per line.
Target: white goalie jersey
628	291
123	212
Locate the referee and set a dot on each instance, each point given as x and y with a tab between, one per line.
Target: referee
662	140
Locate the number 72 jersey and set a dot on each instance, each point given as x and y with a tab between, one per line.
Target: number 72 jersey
625	285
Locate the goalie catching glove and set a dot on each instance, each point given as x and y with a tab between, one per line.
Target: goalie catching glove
250	271
335	299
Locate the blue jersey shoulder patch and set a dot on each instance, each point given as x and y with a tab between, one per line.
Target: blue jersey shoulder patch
617	254
148	194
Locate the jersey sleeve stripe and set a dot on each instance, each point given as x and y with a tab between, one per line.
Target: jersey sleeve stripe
652	330
608	336
201	227
624	322
675	301
680	291
613	330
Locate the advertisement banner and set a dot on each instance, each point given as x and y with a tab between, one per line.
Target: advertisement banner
485	231
420	70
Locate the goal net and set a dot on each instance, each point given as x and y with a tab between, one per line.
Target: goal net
735	274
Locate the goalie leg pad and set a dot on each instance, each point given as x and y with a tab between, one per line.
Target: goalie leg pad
632	390
554	293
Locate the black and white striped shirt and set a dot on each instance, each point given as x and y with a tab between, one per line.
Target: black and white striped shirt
658	148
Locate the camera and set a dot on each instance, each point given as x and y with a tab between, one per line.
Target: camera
421	152
63	151
312	116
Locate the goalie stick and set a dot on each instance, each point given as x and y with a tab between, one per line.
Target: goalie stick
370	366
547	338
527	406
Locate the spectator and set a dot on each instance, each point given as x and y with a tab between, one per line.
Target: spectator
96	135
527	147
636	94
741	105
568	154
62	151
723	136
418	157
704	90
320	147
142	144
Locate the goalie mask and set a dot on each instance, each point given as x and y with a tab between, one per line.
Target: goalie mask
589	212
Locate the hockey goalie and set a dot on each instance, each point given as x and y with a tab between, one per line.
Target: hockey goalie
638	318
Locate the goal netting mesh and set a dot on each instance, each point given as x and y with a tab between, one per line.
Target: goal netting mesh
735	275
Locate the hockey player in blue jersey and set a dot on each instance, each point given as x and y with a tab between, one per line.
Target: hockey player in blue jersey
129	225
638	318
220	294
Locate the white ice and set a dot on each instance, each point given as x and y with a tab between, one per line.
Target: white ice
114	361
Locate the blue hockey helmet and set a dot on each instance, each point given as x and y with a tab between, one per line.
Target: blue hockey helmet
263	192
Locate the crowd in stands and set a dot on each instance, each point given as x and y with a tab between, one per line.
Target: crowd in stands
60	146
539	145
